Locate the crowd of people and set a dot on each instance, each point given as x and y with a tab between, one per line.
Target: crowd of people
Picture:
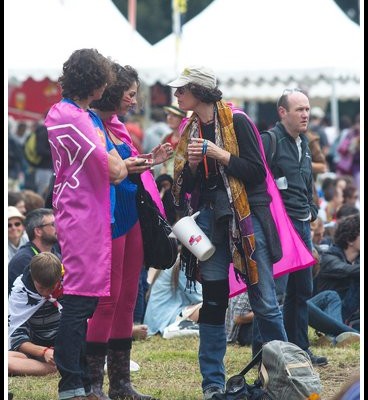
75	252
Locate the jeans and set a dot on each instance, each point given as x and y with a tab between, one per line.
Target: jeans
214	273
245	335
324	312
70	345
140	305
217	266
298	291
351	300
268	321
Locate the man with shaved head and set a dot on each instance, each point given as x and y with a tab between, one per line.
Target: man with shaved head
291	166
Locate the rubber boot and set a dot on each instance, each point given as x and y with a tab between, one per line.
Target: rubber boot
118	370
96	357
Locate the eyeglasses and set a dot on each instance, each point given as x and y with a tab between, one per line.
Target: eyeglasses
49	224
16	224
181	90
287	91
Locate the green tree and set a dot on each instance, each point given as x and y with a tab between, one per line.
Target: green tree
154	20
154	17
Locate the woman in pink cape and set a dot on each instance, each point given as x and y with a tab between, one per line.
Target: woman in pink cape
86	166
110	328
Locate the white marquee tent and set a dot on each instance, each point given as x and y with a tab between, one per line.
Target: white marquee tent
259	47
40	35
256	47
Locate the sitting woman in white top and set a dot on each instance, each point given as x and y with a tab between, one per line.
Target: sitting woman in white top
172	310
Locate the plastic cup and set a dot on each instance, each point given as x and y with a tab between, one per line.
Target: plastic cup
193	238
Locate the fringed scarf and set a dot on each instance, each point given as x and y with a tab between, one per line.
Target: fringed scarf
242	241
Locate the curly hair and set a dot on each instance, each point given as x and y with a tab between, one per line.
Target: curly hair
348	229
85	71
123	78
204	94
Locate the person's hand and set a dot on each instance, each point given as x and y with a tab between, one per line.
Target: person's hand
195	151
48	355
161	153
198	148
137	165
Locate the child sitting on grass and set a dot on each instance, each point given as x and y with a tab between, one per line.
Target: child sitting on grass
34	316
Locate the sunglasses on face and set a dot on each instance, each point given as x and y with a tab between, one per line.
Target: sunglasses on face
16	224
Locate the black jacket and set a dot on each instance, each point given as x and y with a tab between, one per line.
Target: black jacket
298	197
336	271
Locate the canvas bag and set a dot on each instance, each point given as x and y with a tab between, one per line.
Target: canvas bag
287	373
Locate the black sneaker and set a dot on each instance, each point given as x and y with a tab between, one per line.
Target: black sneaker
317	360
209	393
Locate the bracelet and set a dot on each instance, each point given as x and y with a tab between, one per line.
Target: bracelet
45	349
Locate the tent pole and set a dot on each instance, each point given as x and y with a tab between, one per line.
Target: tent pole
334	107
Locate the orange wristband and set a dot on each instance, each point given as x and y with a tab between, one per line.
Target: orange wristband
45	349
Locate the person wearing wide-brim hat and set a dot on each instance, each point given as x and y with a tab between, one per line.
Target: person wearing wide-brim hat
174	118
17	236
173	109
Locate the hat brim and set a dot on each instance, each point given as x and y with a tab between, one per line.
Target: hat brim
171	110
22	217
179	82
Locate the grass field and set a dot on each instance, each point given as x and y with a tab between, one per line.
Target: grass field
169	370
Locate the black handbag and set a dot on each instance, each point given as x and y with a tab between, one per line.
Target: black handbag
160	250
237	387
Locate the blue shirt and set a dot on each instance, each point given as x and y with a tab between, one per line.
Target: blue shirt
125	212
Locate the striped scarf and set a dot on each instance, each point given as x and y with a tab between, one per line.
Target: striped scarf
242	240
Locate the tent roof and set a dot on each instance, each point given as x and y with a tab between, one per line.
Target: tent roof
267	43
40	35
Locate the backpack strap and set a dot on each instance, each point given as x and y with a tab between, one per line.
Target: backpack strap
256	359
272	136
263	374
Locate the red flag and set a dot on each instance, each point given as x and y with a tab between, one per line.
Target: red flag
132	13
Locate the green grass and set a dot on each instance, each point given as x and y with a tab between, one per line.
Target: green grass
169	370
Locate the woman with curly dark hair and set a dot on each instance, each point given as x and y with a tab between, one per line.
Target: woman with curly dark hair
86	167
110	329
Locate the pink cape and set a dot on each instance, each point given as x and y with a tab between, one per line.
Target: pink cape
81	199
296	255
121	131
